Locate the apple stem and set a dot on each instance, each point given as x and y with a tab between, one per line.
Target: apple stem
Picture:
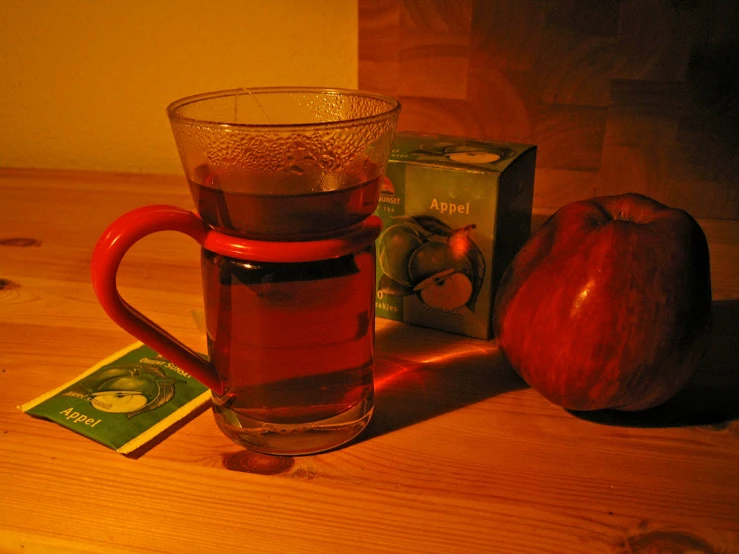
463	231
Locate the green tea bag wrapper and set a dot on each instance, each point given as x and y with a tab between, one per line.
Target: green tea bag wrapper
123	401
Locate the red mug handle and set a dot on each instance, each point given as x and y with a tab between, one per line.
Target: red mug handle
106	259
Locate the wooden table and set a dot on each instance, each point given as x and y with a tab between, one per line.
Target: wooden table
461	456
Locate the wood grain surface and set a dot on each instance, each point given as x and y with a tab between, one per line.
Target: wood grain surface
461	456
619	95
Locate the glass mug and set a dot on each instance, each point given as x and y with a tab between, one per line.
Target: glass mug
285	182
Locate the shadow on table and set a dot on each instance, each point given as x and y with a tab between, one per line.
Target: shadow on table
711	396
421	373
168	432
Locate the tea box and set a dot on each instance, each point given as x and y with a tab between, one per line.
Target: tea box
455	212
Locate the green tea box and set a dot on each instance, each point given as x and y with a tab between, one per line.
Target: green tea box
455	212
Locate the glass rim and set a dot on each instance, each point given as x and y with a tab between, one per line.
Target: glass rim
174	116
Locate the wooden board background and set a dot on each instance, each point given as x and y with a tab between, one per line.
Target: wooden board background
619	95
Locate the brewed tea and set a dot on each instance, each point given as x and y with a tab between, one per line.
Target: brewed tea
292	342
236	207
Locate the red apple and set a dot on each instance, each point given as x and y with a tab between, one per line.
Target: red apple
608	304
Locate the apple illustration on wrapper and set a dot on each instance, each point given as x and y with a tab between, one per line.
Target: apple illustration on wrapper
423	255
608	304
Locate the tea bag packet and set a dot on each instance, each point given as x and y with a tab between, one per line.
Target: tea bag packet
123	401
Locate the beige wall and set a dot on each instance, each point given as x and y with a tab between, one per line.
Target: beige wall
85	82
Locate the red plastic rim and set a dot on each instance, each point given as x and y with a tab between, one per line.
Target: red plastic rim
298	251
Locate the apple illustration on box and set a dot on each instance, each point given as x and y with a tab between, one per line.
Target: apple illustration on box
608	304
